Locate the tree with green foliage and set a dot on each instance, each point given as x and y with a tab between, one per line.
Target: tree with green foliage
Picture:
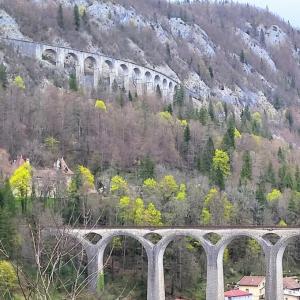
211	72
229	137
130	96
178	98
289	118
270	176
60	17
21	184
3	76
206	157
73	83
146	169
187	134
203	115
281	156
211	110
297	179
76	17
217	209
242	57
246	171
19	82
8	279
158	91
221	168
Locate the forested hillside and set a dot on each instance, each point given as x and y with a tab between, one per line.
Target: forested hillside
71	157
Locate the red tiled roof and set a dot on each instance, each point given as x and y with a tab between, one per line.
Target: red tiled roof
291	283
236	293
251	280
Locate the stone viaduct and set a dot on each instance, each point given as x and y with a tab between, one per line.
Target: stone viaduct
92	69
273	251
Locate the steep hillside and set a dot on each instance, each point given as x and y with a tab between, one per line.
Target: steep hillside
72	157
235	53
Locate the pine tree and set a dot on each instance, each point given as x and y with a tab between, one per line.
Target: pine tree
158	91
76	17
168	51
60	17
130	96
211	72
297	179
73	83
242	57
270	175
262	38
187	134
229	137
205	160
203	115
246	172
211	111
179	96
280	155
3	76
146	169
290	119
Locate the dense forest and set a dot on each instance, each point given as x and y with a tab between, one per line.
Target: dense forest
71	157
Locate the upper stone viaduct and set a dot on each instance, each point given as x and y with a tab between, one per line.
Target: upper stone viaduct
273	252
93	68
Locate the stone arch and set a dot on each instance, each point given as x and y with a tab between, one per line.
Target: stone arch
148	76
136	73
212	238
162	246
283	246
170	85
71	62
50	55
146	247
108	64
153	237
90	65
271	238
93	237
123	70
156	79
237	258
165	83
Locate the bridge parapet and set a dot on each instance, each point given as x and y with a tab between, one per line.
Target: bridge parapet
273	251
141	77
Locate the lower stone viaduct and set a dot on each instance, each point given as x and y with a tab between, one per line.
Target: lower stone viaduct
273	252
92	69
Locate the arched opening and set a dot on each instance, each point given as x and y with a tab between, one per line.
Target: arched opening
291	266
107	68
153	237
148	76
125	269
71	63
170	85
65	258
93	237
136	73
89	65
271	238
185	269
50	56
244	266
123	70
212	237
165	83
156	80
